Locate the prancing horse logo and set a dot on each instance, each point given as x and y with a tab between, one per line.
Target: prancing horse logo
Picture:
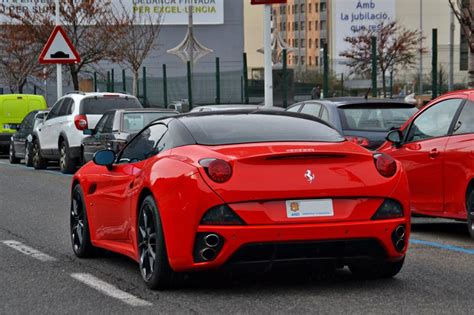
309	176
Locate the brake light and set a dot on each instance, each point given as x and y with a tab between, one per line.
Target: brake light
385	164
358	140
218	170
81	122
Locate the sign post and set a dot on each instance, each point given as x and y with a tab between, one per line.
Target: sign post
267	47
59	50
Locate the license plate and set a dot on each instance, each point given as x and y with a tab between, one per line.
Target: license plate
309	208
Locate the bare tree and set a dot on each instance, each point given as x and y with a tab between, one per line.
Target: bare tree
89	24
464	12
138	36
397	48
19	53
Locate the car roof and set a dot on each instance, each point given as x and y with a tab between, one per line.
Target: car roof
348	101
143	110
227	106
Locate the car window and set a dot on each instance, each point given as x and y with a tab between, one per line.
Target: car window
144	145
136	121
435	121
55	110
27	123
325	113
375	118
98	106
109	123
99	128
311	109
66	107
465	123
294	109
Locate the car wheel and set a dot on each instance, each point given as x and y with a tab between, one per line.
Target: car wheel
470	213
29	154
153	259
11	155
39	163
80	236
377	270
66	164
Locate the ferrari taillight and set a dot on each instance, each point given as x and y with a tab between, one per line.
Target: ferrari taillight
385	164
81	122
218	170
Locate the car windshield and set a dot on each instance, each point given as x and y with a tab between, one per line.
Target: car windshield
98	106
374	118
133	122
251	128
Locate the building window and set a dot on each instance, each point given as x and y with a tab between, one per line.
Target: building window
323	7
316	43
310	43
316	62
295	60
302	26
310	8
295	26
302	60
316	25
310	61
295	9
316	7
302	8
310	25
323	25
289	27
303	43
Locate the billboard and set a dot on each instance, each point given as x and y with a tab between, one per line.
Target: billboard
352	16
174	12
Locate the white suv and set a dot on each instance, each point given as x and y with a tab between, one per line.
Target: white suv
59	137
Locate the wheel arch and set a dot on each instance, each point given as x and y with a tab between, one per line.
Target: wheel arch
62	137
469	189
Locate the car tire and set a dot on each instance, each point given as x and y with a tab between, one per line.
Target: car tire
80	234
39	163
11	155
377	270
29	154
470	213
155	271
66	164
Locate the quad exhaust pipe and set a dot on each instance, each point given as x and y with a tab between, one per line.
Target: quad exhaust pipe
208	254
212	240
398	238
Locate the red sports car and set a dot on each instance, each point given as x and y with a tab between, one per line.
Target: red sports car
436	148
245	188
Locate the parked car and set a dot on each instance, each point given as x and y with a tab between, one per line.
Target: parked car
200	191
205	108
436	148
362	121
21	145
59	138
181	106
13	109
117	127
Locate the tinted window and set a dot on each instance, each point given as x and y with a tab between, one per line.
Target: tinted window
435	121
144	145
100	125
66	107
133	122
27	123
55	110
294	109
109	123
248	128
325	114
465	124
98	106
311	109
375	119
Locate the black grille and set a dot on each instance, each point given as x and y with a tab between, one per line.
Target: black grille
308	251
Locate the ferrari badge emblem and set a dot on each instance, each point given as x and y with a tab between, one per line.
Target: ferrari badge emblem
309	176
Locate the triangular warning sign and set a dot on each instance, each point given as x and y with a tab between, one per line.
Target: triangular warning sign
59	49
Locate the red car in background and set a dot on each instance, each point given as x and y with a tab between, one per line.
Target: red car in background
436	148
245	188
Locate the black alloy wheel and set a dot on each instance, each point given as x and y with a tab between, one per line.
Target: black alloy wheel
470	213
11	155
39	163
152	257
29	154
80	237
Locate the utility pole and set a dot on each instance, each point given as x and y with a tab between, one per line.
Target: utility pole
420	91
59	69
267	47
451	53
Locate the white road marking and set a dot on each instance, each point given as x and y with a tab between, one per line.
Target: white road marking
22	248
109	289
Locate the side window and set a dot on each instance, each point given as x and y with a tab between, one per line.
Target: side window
109	123
27	122
294	109
144	145
55	110
99	128
66	107
324	113
435	121
311	109
465	123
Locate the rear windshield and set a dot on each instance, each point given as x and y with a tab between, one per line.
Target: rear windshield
249	128
137	121
98	106
374	118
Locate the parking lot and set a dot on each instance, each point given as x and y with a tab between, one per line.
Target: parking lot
39	272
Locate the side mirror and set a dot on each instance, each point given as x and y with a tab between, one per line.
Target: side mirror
88	132
395	137
105	158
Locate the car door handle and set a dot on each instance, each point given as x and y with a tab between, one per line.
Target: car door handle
434	153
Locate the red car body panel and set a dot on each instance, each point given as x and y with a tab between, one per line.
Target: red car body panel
265	175
439	170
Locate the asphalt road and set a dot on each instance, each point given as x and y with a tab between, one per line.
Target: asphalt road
40	274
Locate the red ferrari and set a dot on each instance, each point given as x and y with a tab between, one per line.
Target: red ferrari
436	148
247	188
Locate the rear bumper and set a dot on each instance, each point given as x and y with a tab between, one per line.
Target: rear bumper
342	242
